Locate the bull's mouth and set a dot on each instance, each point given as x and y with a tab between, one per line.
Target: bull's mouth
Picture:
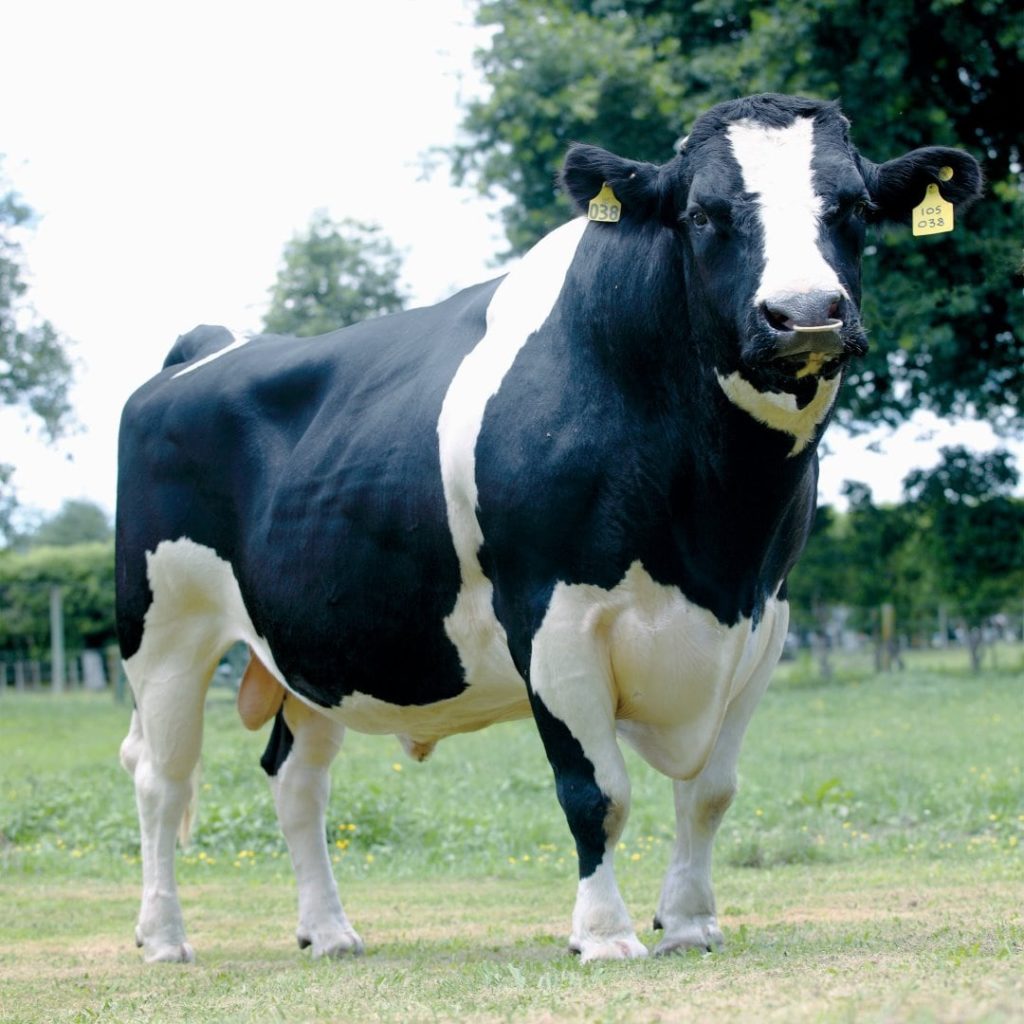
806	351
797	355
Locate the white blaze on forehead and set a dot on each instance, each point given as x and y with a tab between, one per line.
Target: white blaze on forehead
776	165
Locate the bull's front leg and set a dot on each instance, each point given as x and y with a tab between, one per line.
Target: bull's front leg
686	909
570	691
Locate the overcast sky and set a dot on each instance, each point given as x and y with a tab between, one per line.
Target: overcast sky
171	150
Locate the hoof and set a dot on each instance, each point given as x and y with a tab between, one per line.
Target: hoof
701	934
616	947
335	945
177	954
656	924
165	952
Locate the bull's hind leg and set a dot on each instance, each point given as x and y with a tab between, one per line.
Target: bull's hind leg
162	753
298	761
187	628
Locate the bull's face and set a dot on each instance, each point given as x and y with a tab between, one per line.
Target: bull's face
773	219
767	204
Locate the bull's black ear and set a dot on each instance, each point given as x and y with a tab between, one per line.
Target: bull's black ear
897	186
635	184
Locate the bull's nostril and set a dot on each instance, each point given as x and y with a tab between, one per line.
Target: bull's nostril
777	318
833	310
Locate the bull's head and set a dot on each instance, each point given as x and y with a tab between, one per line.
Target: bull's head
767	202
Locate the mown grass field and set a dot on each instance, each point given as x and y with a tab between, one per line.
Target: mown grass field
870	870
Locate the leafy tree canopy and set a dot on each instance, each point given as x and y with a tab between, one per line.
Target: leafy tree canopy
77	522
85	574
35	370
334	274
631	75
956	541
972	530
963	477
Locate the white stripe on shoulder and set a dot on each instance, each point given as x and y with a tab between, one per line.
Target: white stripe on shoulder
239	341
518	308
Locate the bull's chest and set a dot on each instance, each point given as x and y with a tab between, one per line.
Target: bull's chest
669	667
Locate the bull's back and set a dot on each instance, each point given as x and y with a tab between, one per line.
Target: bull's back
310	467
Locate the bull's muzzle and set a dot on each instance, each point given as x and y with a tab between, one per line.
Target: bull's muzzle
806	330
821	339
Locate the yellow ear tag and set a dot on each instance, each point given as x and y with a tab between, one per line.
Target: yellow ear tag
934	215
605	206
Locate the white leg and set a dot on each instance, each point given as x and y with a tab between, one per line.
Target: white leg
161	801
686	909
574	707
162	753
601	926
301	788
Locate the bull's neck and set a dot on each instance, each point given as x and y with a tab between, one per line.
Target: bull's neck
731	496
739	520
628	311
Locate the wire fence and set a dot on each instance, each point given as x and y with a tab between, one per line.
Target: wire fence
829	648
89	669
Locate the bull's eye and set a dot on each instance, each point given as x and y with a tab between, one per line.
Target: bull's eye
862	208
699	218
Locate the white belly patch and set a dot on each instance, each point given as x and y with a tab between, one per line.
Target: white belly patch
198	612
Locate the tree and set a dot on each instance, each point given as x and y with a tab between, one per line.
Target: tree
85	574
77	522
35	371
973	532
820	582
630	75
333	275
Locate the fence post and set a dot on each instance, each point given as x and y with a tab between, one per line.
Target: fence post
56	640
115	673
888	633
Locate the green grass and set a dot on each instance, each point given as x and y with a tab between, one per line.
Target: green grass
870	869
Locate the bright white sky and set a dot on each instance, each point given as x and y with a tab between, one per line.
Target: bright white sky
171	150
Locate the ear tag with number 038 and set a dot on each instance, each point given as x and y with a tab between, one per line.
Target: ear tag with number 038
935	214
605	206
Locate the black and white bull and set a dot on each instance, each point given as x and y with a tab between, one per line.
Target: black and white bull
575	491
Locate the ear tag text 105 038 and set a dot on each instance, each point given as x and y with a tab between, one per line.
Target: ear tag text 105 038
935	214
605	206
